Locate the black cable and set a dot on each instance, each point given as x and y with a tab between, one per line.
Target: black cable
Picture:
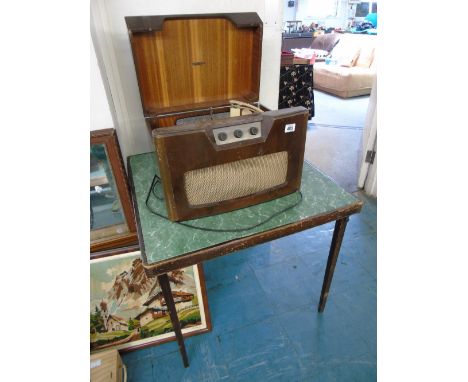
156	180
154	188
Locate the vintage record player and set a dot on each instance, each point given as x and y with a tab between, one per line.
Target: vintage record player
218	149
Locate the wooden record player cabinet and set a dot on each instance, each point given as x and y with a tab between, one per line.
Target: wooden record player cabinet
192	65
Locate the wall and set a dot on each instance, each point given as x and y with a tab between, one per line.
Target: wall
113	50
101	117
305	13
289	14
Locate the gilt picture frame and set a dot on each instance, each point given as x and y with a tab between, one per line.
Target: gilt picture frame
128	311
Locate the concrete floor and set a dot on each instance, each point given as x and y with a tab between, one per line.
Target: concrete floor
334	137
263	300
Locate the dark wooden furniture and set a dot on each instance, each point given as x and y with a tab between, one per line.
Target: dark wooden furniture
189	64
202	176
193	66
123	234
167	245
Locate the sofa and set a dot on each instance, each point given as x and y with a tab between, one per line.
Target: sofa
350	68
326	41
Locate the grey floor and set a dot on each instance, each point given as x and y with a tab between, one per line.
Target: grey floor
334	137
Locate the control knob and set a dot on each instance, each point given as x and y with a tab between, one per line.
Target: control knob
238	133
222	136
253	130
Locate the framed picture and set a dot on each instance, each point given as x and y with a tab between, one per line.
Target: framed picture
111	213
128	311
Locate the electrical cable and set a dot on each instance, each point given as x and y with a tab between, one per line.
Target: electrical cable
157	180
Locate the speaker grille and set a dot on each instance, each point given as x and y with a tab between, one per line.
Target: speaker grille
235	179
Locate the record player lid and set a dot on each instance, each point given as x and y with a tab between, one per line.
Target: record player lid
186	62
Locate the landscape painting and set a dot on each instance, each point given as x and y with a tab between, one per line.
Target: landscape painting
128	310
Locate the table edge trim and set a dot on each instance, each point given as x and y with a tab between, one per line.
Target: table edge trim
221	249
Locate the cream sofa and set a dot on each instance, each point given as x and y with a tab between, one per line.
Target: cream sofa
352	69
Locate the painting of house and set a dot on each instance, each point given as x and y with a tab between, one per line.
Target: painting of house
150	314
181	300
128	310
115	323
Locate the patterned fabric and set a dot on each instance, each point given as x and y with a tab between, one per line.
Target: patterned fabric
296	87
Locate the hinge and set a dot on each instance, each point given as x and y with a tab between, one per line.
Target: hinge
370	156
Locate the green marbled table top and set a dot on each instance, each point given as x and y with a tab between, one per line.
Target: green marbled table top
164	239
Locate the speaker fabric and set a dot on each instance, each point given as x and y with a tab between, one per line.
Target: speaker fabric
235	179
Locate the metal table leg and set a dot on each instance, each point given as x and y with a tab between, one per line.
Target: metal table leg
338	234
167	293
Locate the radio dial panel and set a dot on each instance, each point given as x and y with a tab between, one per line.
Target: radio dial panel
237	133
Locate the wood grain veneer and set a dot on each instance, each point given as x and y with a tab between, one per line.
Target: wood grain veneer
185	62
188	147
